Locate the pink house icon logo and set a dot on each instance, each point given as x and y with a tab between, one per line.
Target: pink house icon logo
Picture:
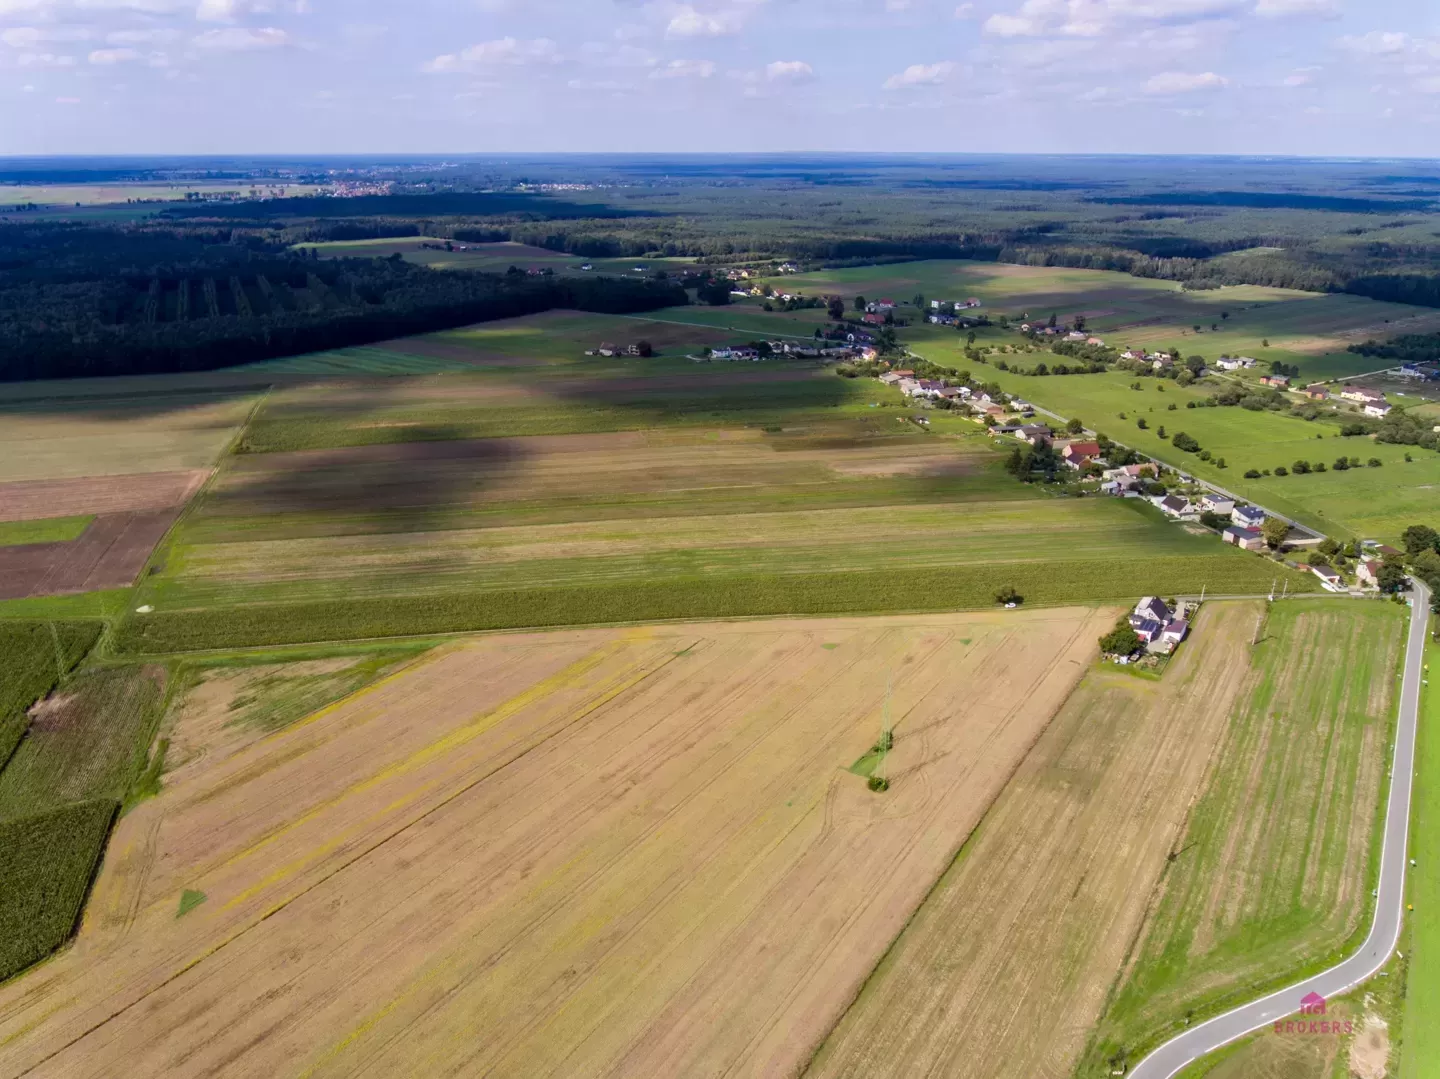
1312	1004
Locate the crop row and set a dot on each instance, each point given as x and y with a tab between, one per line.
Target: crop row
46	862
34	656
860	592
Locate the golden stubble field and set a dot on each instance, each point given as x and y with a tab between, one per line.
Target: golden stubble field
607	852
1006	968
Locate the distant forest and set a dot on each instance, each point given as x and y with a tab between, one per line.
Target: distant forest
203	284
81	301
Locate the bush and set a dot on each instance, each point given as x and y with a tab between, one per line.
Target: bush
1252	474
1300	468
1185	442
1120	641
1282	471
1008	595
1374	462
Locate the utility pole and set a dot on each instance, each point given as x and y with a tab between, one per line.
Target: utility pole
1273	583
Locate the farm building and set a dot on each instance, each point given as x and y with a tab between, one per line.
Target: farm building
1247	539
1378	409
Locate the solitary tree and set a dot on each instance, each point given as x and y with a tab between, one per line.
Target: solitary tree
836	308
1274	530
859	303
1120	641
1075	427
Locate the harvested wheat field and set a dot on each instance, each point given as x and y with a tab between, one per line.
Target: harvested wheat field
1006	967
604	852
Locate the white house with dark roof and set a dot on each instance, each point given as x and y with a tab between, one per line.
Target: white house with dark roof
1248	516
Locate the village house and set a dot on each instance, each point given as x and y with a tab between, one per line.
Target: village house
1157	625
1247	539
1095	341
1175	506
1079	454
873	318
1368	573
1329	579
1378	409
909	386
1235	363
1362	395
1122	486
1025	408
1162	363
1278	381
1037	434
1248	516
1216	503
1316	392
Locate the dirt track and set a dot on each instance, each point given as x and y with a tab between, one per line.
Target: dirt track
591	853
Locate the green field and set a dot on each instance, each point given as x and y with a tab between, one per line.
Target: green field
488	257
89	742
50	530
34	657
1421	1032
1376	503
1271	879
1306	328
46	863
585	490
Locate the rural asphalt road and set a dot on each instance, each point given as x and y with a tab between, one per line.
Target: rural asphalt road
1389	906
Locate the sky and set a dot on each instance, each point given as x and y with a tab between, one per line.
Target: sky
1300	77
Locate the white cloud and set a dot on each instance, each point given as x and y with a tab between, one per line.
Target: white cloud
1279	9
1300	78
28	37
113	56
690	21
142	37
44	59
789	71
1182	82
685	69
242	39
1377	43
965	11
503	52
921	75
1094	18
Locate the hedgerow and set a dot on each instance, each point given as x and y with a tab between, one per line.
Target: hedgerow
876	591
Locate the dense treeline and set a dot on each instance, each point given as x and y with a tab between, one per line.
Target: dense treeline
1407	348
110	302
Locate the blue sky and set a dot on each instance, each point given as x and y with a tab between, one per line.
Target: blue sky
1320	77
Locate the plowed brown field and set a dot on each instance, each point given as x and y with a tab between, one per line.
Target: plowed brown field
110	554
1004	971
37	499
618	853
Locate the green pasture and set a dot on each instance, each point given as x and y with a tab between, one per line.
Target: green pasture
360	361
488	257
746	317
48	530
862	592
1376	503
1273	879
1421	1032
1309	329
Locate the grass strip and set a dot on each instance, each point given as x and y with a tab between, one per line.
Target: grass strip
1421	1041
50	530
859	592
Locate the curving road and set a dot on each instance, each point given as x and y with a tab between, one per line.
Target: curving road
1175	1054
